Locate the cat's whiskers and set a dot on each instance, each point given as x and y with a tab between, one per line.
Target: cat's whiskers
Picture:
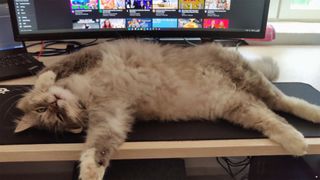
11	106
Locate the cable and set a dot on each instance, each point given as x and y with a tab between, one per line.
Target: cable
228	170
240	42
41	50
48	50
90	43
35	44
189	42
227	164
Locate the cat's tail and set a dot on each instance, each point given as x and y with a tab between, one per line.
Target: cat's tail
267	66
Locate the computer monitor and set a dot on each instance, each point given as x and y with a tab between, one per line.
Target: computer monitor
70	19
6	37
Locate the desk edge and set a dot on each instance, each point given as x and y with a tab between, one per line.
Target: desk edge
154	149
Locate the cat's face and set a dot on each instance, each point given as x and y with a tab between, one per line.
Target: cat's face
51	107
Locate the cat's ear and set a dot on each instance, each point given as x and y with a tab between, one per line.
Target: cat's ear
75	130
22	103
45	80
24	124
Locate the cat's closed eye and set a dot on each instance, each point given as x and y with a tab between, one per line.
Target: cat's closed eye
41	109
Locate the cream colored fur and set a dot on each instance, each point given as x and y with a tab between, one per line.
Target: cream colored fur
267	66
106	88
89	168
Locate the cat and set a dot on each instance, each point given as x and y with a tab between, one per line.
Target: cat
103	89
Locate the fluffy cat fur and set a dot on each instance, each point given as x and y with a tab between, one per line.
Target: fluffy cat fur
103	89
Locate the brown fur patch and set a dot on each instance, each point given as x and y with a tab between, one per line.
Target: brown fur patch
78	63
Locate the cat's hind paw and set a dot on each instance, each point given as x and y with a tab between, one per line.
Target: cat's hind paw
89	169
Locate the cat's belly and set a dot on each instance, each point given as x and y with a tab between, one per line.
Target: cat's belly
187	103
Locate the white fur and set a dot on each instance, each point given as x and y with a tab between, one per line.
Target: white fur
62	93
45	80
291	140
303	109
89	169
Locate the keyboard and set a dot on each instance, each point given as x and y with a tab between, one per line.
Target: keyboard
15	60
18	65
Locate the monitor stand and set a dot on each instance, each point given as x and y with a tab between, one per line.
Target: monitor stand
197	41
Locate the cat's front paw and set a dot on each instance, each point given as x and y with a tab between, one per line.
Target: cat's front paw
293	141
45	80
89	168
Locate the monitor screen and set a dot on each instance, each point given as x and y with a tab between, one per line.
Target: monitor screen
6	37
65	19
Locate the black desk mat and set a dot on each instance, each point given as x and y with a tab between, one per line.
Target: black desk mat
153	130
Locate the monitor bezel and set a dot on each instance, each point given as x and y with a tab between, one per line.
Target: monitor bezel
144	34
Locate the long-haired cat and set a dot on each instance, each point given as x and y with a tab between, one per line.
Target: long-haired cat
103	89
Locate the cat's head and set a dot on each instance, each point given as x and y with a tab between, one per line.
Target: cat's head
52	107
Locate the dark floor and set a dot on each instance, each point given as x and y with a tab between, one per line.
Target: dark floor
262	168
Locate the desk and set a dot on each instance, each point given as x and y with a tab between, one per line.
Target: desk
290	59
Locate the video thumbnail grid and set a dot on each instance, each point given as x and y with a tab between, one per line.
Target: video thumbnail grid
150	4
151	23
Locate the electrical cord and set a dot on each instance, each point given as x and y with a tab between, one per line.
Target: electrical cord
232	42
227	164
71	46
47	49
189	42
41	50
240	43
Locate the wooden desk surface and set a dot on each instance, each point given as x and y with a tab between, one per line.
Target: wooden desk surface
297	64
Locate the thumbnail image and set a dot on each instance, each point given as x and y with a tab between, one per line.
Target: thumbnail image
209	23
218	4
112	23
139	23
139	4
165	23
221	24
189	23
84	4
191	4
86	24
216	23
112	4
165	4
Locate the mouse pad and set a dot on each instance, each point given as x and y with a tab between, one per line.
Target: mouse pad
151	130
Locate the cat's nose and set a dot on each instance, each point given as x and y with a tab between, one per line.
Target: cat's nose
54	104
57	97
